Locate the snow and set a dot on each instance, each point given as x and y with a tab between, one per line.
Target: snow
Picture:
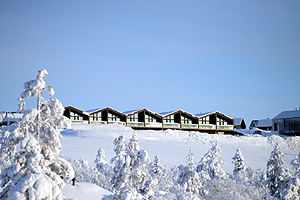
172	146
264	123
83	191
288	114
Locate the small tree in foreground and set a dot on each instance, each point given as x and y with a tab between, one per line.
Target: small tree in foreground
278	176
37	169
238	161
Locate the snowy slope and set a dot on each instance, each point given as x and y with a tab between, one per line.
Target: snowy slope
172	147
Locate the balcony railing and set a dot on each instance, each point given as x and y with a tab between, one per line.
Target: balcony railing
194	126
98	122
80	121
207	126
135	124
153	124
171	125
117	122
225	127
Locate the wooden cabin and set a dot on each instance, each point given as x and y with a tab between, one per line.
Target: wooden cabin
287	123
239	123
263	124
143	119
179	120
215	122
76	115
106	116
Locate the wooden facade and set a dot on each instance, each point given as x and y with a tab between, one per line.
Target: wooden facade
106	116
76	115
287	123
212	122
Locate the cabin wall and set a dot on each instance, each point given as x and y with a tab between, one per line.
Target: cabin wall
288	126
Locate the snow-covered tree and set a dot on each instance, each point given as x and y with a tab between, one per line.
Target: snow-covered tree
37	169
238	161
278	176
210	165
293	189
101	164
189	178
156	167
148	188
121	164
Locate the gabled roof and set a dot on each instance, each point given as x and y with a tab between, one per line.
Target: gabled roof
200	115
238	121
288	114
106	108
77	109
264	123
164	114
128	112
131	112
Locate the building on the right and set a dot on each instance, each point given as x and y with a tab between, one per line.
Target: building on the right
287	123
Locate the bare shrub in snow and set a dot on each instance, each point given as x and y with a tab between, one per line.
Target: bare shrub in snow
36	170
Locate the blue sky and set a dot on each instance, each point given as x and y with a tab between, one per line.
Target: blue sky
238	57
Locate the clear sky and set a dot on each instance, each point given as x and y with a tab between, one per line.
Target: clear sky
241	58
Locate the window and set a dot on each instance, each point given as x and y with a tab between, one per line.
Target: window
75	116
149	118
204	120
185	120
169	119
133	118
96	117
113	117
221	121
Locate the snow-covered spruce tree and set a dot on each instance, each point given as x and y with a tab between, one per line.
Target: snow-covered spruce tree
210	165
189	178
278	176
121	164
293	189
101	164
156	168
238	161
139	162
37	170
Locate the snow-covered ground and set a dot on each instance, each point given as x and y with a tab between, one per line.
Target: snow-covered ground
172	147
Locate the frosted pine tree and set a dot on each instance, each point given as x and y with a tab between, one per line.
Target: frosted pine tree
101	164
121	164
210	165
278	176
139	160
238	161
156	167
293	189
189	178
37	170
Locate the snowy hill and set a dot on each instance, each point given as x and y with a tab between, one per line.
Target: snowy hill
172	147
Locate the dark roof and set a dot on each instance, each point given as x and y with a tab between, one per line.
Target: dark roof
288	114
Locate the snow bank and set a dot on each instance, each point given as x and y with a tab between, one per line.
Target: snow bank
83	191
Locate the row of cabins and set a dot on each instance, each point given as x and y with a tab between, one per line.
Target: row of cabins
212	122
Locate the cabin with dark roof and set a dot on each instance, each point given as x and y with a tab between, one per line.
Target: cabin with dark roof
106	115
287	122
239	123
143	118
263	124
76	115
179	120
215	122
